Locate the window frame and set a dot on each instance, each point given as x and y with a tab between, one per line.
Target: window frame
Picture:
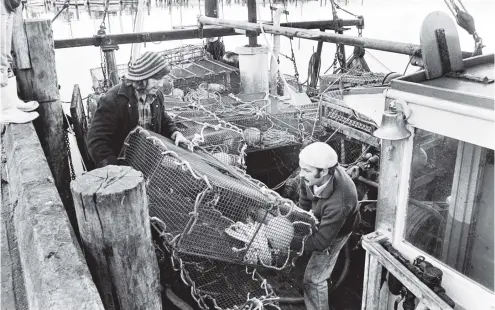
466	292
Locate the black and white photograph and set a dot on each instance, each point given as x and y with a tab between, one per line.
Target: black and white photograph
247	155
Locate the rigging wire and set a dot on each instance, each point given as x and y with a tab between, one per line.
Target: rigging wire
377	60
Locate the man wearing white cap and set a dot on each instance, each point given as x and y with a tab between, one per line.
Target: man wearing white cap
329	192
136	101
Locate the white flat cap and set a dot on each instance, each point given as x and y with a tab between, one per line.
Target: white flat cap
319	155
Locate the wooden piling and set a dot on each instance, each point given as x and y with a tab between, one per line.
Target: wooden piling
39	82
80	123
252	18
19	43
112	213
211	8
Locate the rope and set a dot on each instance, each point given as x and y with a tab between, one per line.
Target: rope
466	21
340	8
66	5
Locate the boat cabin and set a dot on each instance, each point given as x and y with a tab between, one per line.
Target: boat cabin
436	194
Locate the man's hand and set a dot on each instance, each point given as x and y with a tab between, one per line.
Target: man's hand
178	137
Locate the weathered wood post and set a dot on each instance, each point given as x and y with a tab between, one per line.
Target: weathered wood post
252	18
211	8
37	80
112	212
313	80
214	45
80	123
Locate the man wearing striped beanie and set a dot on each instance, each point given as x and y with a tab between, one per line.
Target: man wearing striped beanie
136	101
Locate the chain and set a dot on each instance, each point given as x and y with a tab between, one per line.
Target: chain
69	156
293	57
101	32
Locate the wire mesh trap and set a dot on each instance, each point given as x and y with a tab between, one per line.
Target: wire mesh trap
213	210
191	65
228	123
219	285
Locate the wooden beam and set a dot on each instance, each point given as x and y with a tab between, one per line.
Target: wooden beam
466	186
391	162
372	278
185	34
80	123
112	212
406	277
317	64
376	44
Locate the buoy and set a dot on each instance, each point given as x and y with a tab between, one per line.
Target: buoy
252	136
216	87
280	233
224	158
178	93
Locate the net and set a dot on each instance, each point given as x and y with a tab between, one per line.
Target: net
212	210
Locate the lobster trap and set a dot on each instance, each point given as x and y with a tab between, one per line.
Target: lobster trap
212	210
352	132
244	119
353	78
191	65
219	285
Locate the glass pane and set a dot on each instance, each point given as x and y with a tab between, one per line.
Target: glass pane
451	203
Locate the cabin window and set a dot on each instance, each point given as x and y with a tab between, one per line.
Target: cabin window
451	204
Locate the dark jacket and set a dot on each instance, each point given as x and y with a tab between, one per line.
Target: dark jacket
336	210
115	116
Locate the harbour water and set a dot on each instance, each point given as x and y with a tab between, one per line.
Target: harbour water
393	20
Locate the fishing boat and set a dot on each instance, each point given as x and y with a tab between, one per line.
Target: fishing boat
415	245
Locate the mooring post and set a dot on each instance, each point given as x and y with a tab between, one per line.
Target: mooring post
39	82
211	8
19	43
252	18
213	44
112	212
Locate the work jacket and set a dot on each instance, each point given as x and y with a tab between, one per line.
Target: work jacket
115	116
336	209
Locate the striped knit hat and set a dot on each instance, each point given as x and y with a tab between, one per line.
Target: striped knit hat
150	64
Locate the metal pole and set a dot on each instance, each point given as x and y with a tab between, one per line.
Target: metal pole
277	10
382	45
185	34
